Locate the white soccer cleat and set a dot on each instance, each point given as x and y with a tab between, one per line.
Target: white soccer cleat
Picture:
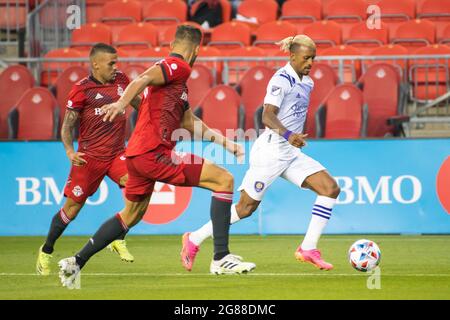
70	273
231	264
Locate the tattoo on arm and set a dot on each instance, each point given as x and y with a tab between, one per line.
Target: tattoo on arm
70	120
136	102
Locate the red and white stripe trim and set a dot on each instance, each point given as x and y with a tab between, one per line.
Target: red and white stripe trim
223	196
124	226
64	218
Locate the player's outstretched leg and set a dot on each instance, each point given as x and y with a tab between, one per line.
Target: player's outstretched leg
326	188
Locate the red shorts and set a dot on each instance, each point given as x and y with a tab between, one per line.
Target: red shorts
84	180
163	165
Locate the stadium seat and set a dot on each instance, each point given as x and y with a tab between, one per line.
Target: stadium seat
164	13
136	37
347	13
429	78
252	89
324	33
64	84
236	69
301	12
215	66
230	35
390	50
445	37
14	81
35	117
51	70
414	33
384	96
199	83
13	14
394	13
221	109
94	10
134	70
437	11
325	79
366	39
343	115
258	12
168	35
270	33
352	69
118	13
89	34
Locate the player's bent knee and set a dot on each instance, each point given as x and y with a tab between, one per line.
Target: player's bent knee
332	190
226	182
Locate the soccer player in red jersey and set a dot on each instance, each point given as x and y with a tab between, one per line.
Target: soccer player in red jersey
150	157
101	146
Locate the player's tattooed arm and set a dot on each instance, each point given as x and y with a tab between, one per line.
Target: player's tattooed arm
270	120
69	122
136	102
199	129
152	77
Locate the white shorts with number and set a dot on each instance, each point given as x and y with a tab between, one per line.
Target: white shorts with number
272	157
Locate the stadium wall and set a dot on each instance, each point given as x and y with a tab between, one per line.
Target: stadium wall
388	186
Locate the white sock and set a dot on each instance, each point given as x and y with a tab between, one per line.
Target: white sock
206	231
321	213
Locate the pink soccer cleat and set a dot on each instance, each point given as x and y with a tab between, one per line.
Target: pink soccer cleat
313	257
188	252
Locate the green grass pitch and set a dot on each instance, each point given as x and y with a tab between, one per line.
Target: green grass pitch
412	267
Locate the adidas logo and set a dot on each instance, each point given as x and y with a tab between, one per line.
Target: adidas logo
98	96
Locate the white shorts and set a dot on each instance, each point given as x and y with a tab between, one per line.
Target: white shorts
268	163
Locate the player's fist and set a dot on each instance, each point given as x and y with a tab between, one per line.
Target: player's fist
112	110
76	158
298	140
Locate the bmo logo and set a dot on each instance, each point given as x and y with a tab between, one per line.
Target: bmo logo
167	203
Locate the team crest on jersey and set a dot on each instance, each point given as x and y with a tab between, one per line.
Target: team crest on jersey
275	90
77	191
259	186
119	91
184	96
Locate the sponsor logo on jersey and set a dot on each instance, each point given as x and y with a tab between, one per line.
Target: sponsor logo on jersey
184	96
259	186
77	191
275	90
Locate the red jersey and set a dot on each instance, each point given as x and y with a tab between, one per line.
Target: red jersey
162	108
98	139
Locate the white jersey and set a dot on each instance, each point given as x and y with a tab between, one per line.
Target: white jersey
287	92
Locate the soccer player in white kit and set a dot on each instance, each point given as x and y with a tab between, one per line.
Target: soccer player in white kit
276	153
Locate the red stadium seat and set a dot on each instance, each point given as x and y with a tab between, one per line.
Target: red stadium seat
394	13
347	13
366	39
429	78
301	12
134	70
324	33
13	14
414	33
136	37
221	109
230	35
236	69
35	117
383	95
390	50
94	10
168	35
270	33
118	13
343	114
51	70
199	83
252	89
215	66
262	11
164	13
437	11
64	84
14	81
352	69
325	79
445	37
89	34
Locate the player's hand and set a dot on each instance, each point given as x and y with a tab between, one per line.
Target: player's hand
76	158
112	110
238	151
298	140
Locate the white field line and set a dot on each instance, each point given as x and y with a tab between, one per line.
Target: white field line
145	274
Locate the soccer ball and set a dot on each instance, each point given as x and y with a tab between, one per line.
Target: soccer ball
364	255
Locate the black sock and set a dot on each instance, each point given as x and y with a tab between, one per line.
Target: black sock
122	236
220	217
107	233
59	223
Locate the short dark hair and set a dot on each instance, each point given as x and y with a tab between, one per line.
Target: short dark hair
102	47
189	33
